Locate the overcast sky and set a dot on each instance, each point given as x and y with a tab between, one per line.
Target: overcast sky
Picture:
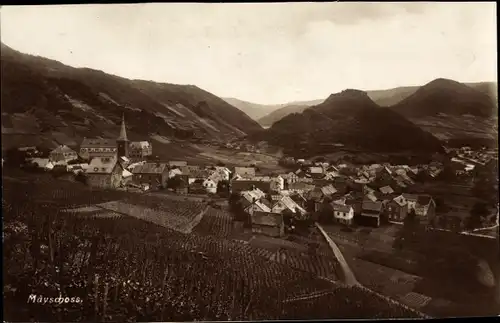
266	53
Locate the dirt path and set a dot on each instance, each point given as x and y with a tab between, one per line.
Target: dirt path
348	276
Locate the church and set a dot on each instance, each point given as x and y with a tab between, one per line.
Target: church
121	147
107	159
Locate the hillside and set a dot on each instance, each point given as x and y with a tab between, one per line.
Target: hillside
384	98
48	102
453	110
253	110
349	118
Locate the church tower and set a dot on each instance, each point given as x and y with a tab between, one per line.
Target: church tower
122	141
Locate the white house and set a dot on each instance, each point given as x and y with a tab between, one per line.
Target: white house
223	172
210	186
343	213
174	172
277	184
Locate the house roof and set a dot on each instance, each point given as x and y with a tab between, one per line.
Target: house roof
341	208
291	205
316	170
300	186
424	199
400	200
410	197
372	206
98	143
267	218
63	149
126	173
261	206
370	197
386	190
328	190
150	168
139	144
101	165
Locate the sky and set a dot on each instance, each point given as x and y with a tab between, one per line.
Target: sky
267	53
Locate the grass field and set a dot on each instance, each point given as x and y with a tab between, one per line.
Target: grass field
438	271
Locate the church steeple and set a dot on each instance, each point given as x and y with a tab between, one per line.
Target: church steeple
122	141
123	131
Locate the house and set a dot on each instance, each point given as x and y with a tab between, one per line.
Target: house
248	185
342	213
315	170
40	162
140	149
370	213
62	153
287	203
300	187
290	178
174	172
268	223
197	187
411	201
277	184
256	206
91	148
223	173
425	206
183	186
386	190
245	172
104	172
127	177
210	186
154	174
396	209
176	163
195	174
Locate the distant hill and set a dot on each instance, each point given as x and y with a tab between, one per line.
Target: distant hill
257	111
452	110
48	101
384	98
350	119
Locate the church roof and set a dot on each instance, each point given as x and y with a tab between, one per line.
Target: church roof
123	131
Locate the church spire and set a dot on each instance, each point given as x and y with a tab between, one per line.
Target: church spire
123	131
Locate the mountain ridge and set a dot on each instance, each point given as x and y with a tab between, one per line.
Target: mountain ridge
351	119
79	102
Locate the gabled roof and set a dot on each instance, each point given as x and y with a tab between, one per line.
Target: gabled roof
370	197
261	206
372	206
386	190
291	205
400	200
410	197
150	168
424	200
245	170
267	218
328	190
63	149
316	170
101	165
341	207
139	144
98	143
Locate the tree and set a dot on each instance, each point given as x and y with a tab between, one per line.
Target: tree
81	177
223	188
174	182
221	164
477	215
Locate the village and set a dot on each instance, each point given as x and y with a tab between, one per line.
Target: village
340	194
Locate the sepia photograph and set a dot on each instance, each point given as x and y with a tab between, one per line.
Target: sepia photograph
179	162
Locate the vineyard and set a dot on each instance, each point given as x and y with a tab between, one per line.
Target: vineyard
127	269
216	223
